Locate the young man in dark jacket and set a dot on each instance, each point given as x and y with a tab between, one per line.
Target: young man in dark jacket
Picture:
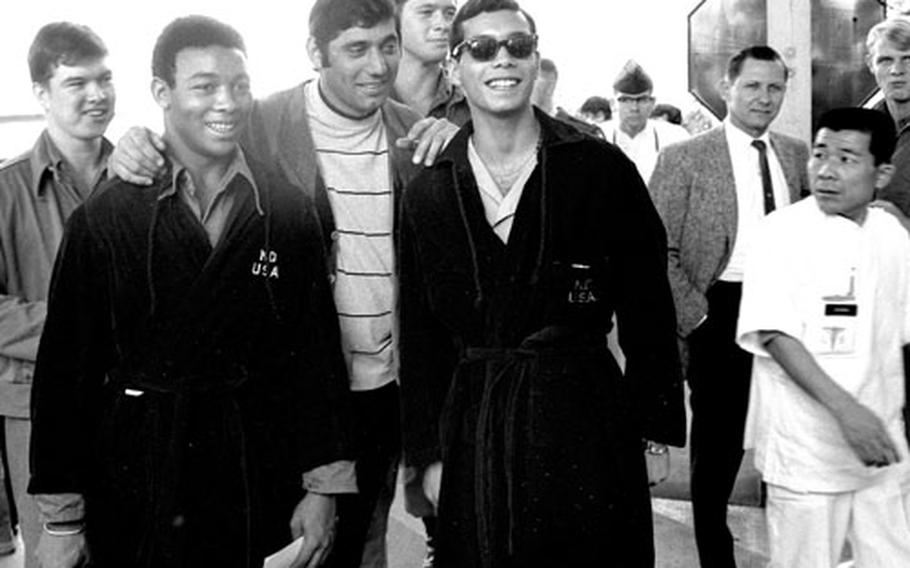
189	395
517	247
342	141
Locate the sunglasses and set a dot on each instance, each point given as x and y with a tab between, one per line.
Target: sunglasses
484	48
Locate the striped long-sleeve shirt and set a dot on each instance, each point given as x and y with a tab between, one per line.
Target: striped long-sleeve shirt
353	159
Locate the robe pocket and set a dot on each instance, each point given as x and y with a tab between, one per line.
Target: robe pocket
580	286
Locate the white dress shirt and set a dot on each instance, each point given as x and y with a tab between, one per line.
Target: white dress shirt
750	200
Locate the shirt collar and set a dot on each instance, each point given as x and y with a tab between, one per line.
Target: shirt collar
238	167
445	96
901	125
620	134
47	158
741	139
836	218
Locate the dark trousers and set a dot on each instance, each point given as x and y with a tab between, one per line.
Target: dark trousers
719	375
363	518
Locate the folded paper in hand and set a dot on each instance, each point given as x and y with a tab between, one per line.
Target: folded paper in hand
284	557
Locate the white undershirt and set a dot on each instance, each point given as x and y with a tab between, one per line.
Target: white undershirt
644	147
499	209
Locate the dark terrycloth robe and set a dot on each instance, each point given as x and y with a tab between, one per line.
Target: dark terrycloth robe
233	353
505	373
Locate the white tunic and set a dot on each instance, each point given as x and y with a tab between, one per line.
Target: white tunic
843	290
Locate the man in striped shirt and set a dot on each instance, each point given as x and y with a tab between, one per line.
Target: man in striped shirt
349	146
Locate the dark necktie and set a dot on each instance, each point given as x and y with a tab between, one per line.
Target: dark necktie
767	188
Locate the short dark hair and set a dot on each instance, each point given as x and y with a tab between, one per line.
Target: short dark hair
329	18
759	52
188	32
880	128
597	104
476	7
673	114
62	43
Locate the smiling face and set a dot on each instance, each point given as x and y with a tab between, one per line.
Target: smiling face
358	70
755	96
425	27
78	100
842	172
206	110
503	85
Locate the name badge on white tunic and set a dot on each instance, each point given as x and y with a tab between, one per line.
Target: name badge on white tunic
833	327
835	330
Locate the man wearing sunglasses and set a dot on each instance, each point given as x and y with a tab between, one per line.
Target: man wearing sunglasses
632	129
516	249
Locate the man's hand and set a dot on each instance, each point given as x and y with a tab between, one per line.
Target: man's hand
428	137
657	460
866	434
138	157
62	551
432	481
862	429
314	520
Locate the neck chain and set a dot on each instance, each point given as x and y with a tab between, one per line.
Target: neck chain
506	175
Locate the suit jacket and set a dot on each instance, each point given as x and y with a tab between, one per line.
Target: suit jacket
694	192
279	135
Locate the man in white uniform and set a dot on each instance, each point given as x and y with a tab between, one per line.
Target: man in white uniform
632	129
826	311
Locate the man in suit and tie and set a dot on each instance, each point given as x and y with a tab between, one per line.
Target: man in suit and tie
711	192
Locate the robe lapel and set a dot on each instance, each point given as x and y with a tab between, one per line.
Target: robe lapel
205	287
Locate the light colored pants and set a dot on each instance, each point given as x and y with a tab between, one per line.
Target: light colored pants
808	530
17	432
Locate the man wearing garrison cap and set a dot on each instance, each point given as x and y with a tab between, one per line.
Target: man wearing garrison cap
631	128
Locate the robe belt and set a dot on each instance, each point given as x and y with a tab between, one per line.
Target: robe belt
505	387
178	390
217	382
